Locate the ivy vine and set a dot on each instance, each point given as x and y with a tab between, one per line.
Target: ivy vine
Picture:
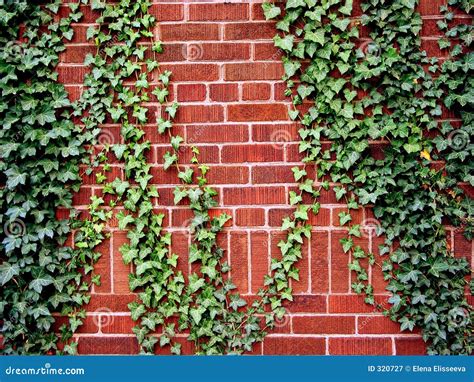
41	150
204	302
380	93
375	93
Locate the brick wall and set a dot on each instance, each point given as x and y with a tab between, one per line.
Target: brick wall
226	76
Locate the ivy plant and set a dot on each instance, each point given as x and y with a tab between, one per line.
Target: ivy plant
41	149
379	92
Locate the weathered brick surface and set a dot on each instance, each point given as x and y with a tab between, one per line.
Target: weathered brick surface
227	78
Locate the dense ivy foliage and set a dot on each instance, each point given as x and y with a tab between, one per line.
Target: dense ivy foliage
380	92
40	149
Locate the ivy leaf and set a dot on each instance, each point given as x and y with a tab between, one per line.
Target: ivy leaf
40	281
285	43
15	177
8	271
270	11
344	218
316	36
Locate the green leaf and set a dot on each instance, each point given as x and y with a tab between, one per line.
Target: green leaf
270	11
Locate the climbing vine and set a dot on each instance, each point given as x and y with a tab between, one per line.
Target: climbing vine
204	302
41	150
379	93
350	98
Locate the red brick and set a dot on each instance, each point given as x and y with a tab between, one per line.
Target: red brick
430	7
256	91
200	113
239	260
349	304
288	345
188	32
120	270
462	246
116	303
192	72
107	345
377	276
160	176
254	196
321	219
216	11
253	71
340	273
259	259
117	324
279	92
89	16
72	74
191	92
302	285
257	112
216	133
250	217
218	52
272	174
249	31
82	197
357	216
180	246
268	52
251	153
277	133
307	304
75	54
102	268
377	325
228	175
319	262
181	218
360	346
167	12
324	324
207	154
90	324
410	346
276	216
224	92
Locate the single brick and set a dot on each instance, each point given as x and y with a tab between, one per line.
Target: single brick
253	71
216	133
256	91
259	258
224	92
251	153
360	346
257	112
288	345
191	92
250	217
239	260
188	32
324	324
254	195
216	11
